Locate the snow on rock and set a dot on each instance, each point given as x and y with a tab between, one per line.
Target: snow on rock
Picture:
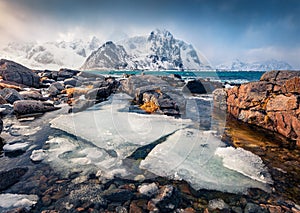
150	189
245	162
158	51
15	147
189	154
13	201
38	155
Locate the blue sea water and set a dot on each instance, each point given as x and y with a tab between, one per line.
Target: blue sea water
236	77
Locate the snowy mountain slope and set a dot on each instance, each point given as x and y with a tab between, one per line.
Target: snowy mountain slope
158	51
50	55
108	56
238	65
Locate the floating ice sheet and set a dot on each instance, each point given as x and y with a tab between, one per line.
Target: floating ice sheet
110	126
189	154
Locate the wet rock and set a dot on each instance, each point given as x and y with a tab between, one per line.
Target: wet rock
10	95
117	195
2	100
121	209
12	71
254	208
30	106
10	177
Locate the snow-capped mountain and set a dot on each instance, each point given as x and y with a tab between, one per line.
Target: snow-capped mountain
238	65
108	56
50	55
158	51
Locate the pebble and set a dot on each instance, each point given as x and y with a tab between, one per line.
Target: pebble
38	155
148	189
217	204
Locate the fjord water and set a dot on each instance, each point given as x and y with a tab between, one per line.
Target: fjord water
232	77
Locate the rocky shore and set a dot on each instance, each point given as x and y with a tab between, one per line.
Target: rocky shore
272	103
28	184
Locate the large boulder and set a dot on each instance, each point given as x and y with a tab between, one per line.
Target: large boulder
272	103
10	95
155	94
12	71
31	106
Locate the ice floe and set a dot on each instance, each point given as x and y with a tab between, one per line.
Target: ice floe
110	126
189	154
108	133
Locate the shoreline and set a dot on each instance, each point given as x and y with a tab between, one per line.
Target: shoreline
55	191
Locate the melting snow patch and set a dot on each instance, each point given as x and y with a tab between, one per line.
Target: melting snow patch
38	155
15	147
12	201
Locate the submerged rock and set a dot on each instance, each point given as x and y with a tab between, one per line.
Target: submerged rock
10	177
32	106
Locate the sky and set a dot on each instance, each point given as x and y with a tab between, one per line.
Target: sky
222	30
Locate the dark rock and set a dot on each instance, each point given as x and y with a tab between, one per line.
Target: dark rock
89	75
10	177
66	73
10	95
254	208
73	82
117	195
98	93
201	86
32	95
168	199
55	88
1	125
12	71
194	86
32	106
2	100
152	93
8	109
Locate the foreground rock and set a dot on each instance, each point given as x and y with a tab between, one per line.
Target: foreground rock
272	103
9	178
155	94
31	106
12	71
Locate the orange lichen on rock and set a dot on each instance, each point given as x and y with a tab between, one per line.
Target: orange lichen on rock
76	91
149	107
8	85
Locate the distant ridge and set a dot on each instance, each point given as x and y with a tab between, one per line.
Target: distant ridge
238	65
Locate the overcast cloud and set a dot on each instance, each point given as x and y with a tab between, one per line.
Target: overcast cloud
220	30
